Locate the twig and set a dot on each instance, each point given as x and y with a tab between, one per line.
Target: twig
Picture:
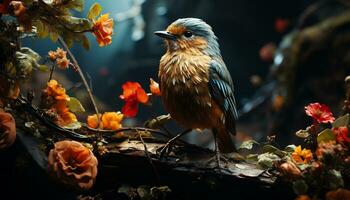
81	74
41	117
149	157
51	71
123	129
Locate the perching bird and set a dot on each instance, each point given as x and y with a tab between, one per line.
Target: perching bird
196	87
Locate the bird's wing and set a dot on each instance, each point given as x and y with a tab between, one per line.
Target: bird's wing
221	90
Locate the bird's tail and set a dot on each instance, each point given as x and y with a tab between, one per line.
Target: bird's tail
225	141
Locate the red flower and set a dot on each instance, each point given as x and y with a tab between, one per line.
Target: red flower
281	25
319	112
133	94
267	52
342	134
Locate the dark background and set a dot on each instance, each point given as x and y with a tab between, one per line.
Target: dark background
242	27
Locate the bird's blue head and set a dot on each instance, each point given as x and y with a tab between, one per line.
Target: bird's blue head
190	34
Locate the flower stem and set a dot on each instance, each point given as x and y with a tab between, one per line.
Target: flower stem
51	71
80	72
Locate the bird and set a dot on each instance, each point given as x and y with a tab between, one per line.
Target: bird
196	87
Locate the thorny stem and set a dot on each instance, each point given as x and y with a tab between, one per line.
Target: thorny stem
80	72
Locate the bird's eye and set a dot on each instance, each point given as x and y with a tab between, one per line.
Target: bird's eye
188	34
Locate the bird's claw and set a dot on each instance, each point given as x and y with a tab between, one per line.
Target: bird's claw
218	165
164	150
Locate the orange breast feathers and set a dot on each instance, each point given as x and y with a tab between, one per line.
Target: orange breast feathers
185	94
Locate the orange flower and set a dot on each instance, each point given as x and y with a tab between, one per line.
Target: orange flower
65	117
60	56
109	120
301	156
339	194
154	87
7	130
55	90
277	102
63	63
92	121
17	8
54	98
73	164
303	197
112	120
133	94
103	30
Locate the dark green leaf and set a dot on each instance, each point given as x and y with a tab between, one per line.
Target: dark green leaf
300	187
335	179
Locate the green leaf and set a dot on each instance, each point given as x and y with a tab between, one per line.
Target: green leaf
74	105
300	187
94	11
85	42
73	126
341	121
335	179
249	144
42	30
252	158
43	68
53	36
77	5
266	160
325	136
271	149
290	148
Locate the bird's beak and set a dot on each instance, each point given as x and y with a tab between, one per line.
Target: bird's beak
165	35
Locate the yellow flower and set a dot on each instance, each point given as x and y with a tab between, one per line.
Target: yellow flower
112	120
103	30
109	120
92	121
301	156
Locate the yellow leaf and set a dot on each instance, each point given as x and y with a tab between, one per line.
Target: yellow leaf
94	11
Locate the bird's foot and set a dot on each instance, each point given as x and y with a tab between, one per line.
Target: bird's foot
217	158
165	150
